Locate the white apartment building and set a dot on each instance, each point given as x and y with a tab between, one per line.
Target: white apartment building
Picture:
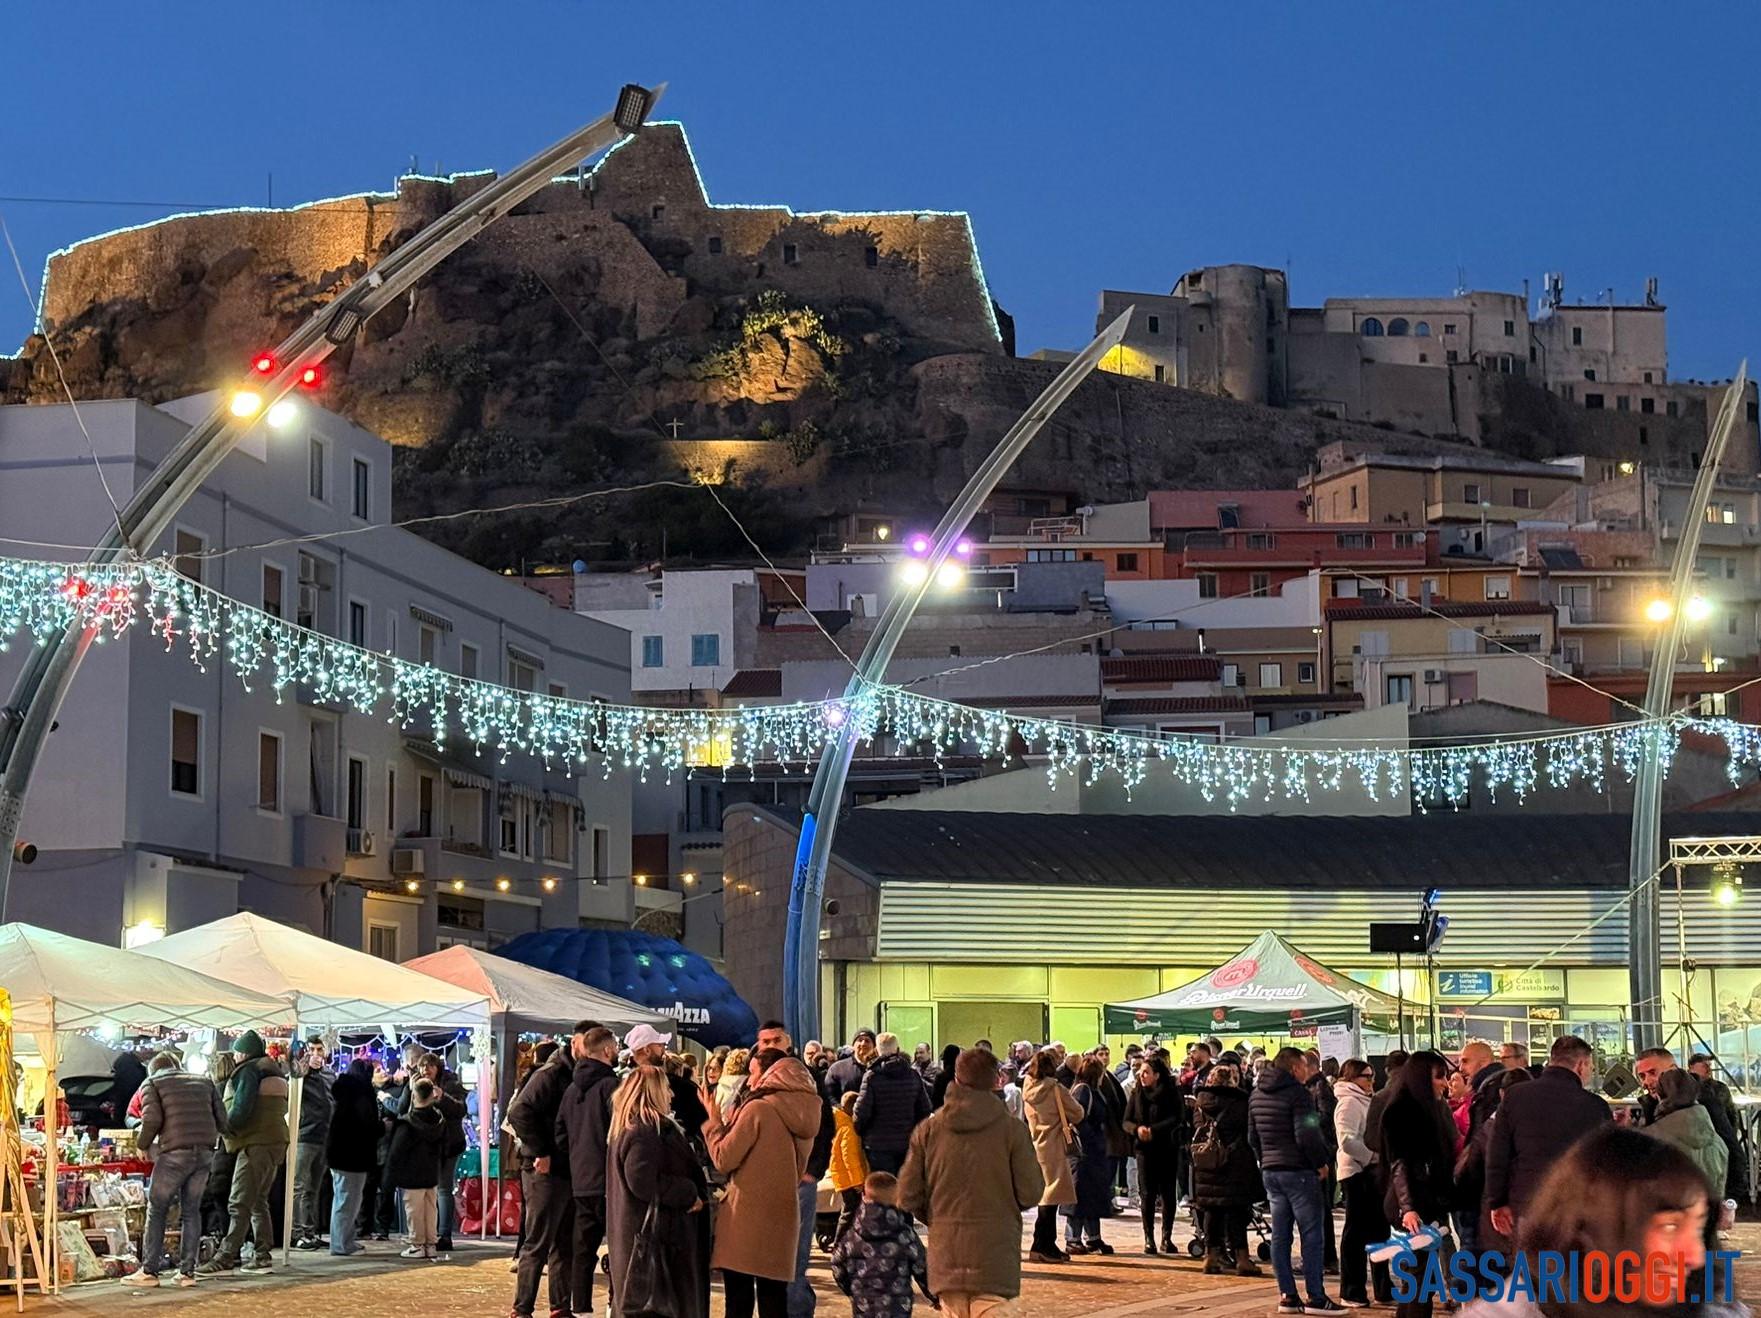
170	795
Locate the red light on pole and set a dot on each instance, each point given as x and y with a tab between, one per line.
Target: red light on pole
311	377
263	363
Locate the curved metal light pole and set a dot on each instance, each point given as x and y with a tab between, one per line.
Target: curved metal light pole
42	684
819	823
1645	974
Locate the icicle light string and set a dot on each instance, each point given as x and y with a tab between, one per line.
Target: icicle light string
41	599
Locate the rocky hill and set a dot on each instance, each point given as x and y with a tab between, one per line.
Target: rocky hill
622	328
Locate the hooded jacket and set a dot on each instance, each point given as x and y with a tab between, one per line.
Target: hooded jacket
1283	1126
849	1165
256	1102
583	1122
764	1153
1691	1130
890	1103
414	1160
970	1174
877	1260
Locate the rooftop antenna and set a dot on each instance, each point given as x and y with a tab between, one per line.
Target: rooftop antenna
1651	291
1460	280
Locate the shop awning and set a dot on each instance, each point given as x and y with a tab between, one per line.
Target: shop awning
456	770
648	969
1269	987
327	984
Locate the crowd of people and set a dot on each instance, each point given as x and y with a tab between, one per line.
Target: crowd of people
676	1170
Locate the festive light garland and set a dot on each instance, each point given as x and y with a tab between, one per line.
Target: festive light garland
42	599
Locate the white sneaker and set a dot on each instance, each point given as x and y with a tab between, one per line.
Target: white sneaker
412	1252
185	1280
140	1278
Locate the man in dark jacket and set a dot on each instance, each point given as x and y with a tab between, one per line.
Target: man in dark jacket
1392	1066
1481	1073
316	1078
544	1179
845	1076
1537	1122
1715	1095
181	1113
889	1104
351	1148
583	1134
1294	1153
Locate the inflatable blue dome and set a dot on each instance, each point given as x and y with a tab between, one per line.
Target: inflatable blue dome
644	968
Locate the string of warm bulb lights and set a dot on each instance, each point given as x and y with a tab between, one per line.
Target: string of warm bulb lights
40	599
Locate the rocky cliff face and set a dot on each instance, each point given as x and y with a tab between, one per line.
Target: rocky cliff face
623	329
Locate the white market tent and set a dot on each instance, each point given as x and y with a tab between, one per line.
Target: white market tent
329	986
524	999
59	983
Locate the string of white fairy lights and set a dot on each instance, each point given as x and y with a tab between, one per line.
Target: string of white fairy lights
40	599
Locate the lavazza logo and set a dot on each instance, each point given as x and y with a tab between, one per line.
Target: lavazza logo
688	1015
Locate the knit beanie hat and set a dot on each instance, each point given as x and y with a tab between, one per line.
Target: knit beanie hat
249	1044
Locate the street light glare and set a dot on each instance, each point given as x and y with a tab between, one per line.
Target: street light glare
1658	610
914	572
1699	608
281	414
247	402
949	575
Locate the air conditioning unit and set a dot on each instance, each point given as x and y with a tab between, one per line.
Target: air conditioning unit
308	570
308	600
361	842
1435	676
407	860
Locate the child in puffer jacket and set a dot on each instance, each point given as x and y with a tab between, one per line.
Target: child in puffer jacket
880	1256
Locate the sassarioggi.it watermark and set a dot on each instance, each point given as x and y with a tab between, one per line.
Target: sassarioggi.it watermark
1550	1276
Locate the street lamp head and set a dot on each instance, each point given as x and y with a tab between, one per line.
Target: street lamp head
949	575
1699	608
282	414
1658	610
634	102
914	572
919	544
963	548
246	403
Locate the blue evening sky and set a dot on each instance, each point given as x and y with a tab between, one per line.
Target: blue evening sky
1372	149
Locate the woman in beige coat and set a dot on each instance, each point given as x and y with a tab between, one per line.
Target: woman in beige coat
1052	1114
763	1152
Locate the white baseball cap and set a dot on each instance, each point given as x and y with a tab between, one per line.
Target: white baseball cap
643	1035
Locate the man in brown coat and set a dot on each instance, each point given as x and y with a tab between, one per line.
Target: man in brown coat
970	1174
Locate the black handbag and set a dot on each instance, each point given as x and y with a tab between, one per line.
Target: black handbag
653	1288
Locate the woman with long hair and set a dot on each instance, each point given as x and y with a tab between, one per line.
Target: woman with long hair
1225	1177
1051	1118
1418	1153
654	1194
1092	1165
1618	1191
1154	1113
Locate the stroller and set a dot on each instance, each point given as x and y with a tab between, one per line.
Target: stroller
1258	1222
